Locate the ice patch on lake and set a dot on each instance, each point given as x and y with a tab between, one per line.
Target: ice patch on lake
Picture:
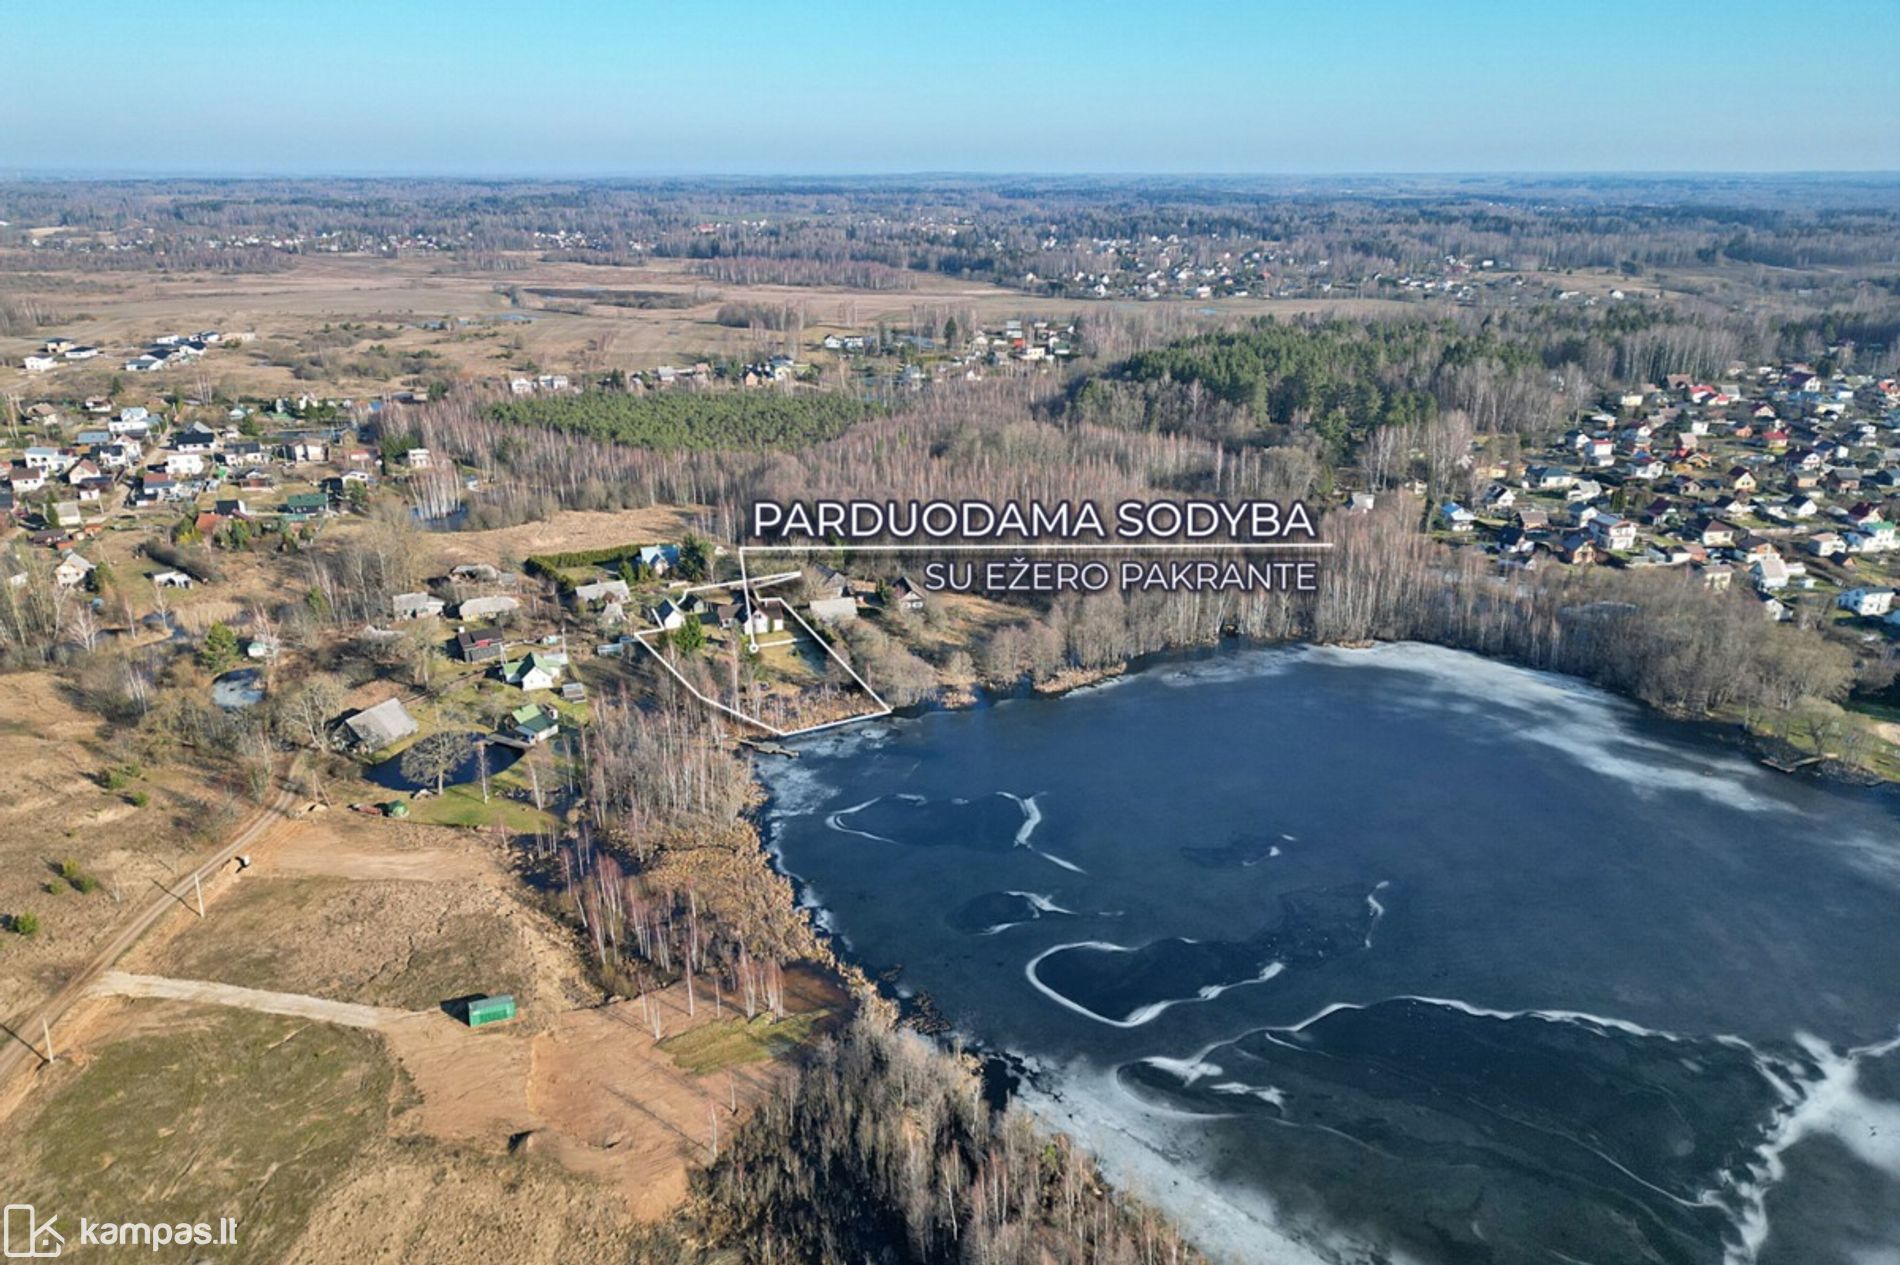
1820	1095
1145	1151
1042	904
836	821
1140	1015
1237	665
1374	906
1567	715
1828	1102
1032	817
845	741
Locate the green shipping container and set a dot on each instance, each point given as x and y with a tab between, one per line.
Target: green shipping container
487	1010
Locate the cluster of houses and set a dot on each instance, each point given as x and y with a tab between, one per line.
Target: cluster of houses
164	351
130	458
1783	476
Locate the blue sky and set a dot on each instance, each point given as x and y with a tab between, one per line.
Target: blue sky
594	87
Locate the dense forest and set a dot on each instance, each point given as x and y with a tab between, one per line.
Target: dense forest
680	420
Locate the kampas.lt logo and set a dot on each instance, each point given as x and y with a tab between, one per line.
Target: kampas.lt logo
26	1237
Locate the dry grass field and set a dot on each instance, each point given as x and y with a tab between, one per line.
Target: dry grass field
204	1080
346	305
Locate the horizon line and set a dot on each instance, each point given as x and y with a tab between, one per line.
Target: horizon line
80	174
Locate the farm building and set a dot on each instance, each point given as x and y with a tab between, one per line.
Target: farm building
377	727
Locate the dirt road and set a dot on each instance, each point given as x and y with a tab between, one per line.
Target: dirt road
20	1035
297	1005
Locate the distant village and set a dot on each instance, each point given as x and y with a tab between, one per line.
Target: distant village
1777	477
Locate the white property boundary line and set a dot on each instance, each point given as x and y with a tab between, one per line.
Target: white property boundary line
884	708
748	590
1059	547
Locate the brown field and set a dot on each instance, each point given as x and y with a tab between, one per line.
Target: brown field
56	809
388	300
287	1061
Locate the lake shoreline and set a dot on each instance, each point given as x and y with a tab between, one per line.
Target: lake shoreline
905	975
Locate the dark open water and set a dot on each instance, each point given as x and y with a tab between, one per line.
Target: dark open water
1396	955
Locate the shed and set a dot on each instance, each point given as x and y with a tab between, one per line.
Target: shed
483	1011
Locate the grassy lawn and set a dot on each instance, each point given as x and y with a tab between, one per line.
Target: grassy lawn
735	1042
462	806
217	1113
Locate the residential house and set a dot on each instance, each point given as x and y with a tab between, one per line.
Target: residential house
1577	549
906	596
1827	544
533	672
1548	478
534	724
1456	517
196	437
1500	496
669	615
1716	534
479	645
487	607
761	620
603	590
380	726
821	581
1770	573
301	507
417	605
1613	533
47	460
72	571
1867	603
659	559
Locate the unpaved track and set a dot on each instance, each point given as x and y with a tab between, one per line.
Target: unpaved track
16	1049
298	1005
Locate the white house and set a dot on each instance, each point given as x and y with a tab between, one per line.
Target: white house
669	615
1868	603
72	571
184	464
1770	573
1613	532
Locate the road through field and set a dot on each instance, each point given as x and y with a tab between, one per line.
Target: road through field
19	1047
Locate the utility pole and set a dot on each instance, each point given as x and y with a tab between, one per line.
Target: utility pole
46	1032
198	887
